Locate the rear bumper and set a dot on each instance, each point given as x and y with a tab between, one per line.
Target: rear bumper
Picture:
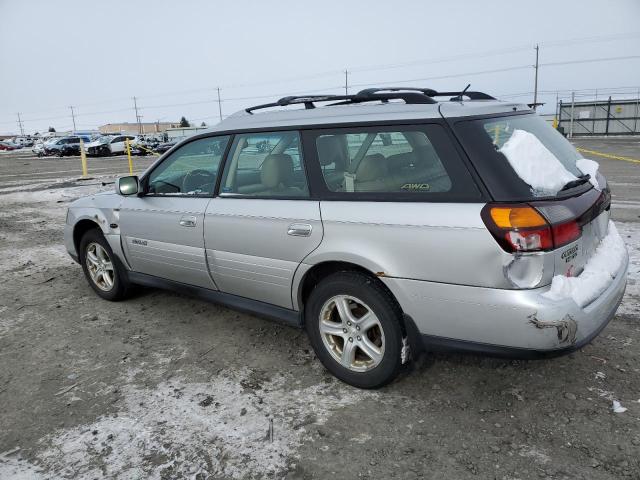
514	323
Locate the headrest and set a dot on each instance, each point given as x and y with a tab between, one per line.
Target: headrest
332	149
277	169
372	167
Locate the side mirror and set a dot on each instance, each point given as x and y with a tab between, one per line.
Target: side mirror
127	185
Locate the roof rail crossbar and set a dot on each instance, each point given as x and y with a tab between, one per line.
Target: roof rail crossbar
457	96
410	95
307	100
427	91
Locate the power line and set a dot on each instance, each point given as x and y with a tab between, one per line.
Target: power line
590	60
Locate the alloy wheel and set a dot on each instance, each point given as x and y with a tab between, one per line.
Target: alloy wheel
352	333
100	266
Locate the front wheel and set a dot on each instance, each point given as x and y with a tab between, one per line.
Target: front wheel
354	325
101	267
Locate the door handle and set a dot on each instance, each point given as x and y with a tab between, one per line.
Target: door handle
188	221
299	229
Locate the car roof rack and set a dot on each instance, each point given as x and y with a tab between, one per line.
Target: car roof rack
410	95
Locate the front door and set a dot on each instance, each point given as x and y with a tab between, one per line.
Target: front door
162	230
263	222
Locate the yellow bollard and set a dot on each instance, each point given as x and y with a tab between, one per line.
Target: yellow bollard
83	158
129	157
555	123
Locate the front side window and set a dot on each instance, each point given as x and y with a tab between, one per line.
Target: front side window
265	165
190	170
402	160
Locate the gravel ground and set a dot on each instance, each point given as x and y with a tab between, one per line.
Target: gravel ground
165	386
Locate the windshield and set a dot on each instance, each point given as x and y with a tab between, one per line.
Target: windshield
520	157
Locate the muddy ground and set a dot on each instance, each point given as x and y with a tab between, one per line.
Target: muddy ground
165	386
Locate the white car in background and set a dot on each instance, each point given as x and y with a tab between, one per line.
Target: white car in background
109	145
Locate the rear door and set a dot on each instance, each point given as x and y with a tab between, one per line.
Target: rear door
263	223
162	230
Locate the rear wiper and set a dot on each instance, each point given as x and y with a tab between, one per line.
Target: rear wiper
582	179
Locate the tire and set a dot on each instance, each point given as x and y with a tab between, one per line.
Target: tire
364	302
94	246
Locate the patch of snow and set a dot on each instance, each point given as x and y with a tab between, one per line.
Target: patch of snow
535	164
66	194
14	467
617	407
535	454
597	274
630	233
32	259
589	167
178	429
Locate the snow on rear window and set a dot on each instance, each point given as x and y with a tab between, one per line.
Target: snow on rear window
535	164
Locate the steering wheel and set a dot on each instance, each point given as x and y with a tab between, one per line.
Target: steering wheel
196	180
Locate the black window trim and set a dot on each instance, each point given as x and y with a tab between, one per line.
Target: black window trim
144	178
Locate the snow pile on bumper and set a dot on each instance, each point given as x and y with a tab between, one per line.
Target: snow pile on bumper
603	265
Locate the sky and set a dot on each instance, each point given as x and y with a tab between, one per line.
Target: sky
173	55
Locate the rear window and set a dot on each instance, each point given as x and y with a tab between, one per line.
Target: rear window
519	156
399	162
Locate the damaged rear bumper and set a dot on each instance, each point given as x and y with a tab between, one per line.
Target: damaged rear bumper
498	322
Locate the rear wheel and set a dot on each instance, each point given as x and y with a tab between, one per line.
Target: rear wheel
354	326
102	269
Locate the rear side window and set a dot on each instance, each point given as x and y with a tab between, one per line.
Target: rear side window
392	162
519	157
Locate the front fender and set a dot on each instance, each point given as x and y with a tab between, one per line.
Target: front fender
101	210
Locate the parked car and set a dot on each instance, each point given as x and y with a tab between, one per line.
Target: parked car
64	146
109	145
7	146
38	148
163	147
411	220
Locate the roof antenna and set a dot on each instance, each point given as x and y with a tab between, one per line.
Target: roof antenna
458	98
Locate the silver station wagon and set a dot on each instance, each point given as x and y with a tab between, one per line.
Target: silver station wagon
386	223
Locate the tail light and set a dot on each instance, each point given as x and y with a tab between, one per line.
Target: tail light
523	228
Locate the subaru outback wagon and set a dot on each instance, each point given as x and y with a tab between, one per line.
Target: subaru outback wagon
386	223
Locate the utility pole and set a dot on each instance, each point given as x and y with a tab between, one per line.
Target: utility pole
346	82
20	125
135	107
535	85
73	117
219	104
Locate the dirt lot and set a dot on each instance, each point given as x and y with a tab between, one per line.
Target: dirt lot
164	386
